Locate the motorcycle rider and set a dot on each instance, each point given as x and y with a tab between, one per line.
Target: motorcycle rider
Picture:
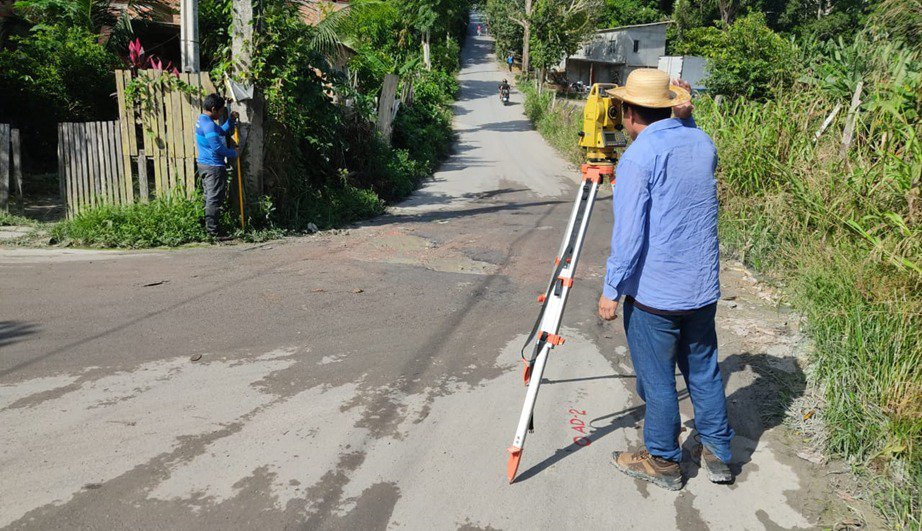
504	89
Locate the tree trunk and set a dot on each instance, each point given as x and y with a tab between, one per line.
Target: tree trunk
526	44
427	60
252	112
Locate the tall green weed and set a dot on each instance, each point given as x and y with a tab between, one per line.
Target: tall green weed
840	228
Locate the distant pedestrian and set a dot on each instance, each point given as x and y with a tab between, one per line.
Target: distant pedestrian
509	61
478	30
665	263
213	153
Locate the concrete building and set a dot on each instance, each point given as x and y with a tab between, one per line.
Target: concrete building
688	67
614	53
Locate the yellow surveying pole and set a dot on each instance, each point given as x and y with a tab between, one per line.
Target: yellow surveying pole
239	178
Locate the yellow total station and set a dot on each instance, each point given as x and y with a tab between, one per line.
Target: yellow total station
602	129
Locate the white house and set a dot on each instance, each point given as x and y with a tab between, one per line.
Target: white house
611	54
688	67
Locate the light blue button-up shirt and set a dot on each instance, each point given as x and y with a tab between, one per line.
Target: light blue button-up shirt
664	249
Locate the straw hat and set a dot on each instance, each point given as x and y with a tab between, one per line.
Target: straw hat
649	87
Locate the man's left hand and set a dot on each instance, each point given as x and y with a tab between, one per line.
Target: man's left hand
608	309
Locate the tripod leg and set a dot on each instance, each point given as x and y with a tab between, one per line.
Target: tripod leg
552	316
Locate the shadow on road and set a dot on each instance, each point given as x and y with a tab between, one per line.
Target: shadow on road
13	331
753	409
439	215
512	126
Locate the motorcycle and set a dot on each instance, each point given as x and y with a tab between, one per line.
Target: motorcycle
504	96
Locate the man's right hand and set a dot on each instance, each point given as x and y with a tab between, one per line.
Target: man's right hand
683	111
608	309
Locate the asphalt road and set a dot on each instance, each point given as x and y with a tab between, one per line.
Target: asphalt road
369	379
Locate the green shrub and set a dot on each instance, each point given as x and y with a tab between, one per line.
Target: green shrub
168	221
54	74
423	128
746	58
559	123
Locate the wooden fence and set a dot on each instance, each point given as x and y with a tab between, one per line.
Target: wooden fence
164	131
91	166
9	165
112	162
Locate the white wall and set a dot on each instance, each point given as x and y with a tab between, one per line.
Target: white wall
617	46
688	67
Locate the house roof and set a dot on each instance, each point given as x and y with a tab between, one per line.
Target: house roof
619	28
313	11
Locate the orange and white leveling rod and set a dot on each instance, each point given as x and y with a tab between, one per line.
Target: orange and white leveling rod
544	334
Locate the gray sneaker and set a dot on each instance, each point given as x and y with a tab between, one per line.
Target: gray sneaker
717	470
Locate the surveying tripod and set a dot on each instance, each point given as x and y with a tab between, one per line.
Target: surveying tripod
601	136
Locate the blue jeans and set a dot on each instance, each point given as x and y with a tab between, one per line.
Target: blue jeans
660	342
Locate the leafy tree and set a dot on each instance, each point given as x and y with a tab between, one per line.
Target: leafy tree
54	74
558	29
504	17
746	58
90	15
626	12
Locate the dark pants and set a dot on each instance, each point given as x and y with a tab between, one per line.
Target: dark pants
214	185
660	342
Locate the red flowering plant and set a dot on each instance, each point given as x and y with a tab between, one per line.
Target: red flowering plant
141	92
138	59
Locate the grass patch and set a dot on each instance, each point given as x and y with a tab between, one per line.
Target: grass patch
9	220
167	221
558	121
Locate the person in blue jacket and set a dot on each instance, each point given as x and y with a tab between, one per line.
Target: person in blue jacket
213	153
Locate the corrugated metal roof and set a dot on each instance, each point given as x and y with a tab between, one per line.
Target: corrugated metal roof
619	28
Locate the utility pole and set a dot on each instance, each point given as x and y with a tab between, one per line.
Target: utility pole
526	45
188	14
252	112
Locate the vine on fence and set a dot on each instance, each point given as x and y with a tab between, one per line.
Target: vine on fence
144	86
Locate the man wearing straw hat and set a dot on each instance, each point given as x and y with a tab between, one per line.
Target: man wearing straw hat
665	262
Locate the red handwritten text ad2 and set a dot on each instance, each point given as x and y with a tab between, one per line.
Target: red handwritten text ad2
578	424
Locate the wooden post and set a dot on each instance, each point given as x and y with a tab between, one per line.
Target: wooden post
4	166
127	131
386	106
427	60
17	164
850	120
143	188
827	121
62	177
